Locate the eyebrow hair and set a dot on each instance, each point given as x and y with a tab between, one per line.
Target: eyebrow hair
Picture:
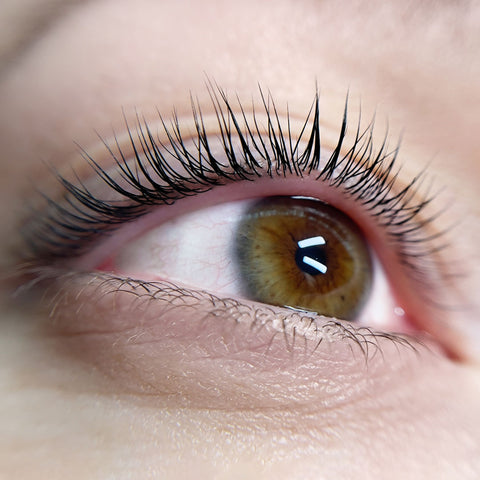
24	25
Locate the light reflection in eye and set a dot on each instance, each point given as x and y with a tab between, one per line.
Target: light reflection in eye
317	267
308	254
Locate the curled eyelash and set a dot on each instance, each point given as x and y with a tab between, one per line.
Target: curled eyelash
249	151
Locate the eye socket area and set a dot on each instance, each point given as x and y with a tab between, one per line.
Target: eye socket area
178	171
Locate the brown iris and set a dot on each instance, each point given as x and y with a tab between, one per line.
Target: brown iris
305	254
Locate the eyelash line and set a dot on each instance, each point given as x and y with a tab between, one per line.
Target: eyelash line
69	226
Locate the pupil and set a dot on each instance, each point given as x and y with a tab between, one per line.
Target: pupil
311	256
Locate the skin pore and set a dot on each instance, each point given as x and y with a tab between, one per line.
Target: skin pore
75	402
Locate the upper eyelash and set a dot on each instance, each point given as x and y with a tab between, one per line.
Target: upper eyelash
68	227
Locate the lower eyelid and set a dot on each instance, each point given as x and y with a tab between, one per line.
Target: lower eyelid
180	345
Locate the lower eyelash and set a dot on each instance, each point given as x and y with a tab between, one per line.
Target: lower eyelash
369	177
310	330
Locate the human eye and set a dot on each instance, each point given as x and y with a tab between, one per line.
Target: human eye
248	218
127	354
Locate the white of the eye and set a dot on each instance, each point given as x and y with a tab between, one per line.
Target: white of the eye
196	249
193	249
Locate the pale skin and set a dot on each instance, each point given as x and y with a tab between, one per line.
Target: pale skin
68	410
